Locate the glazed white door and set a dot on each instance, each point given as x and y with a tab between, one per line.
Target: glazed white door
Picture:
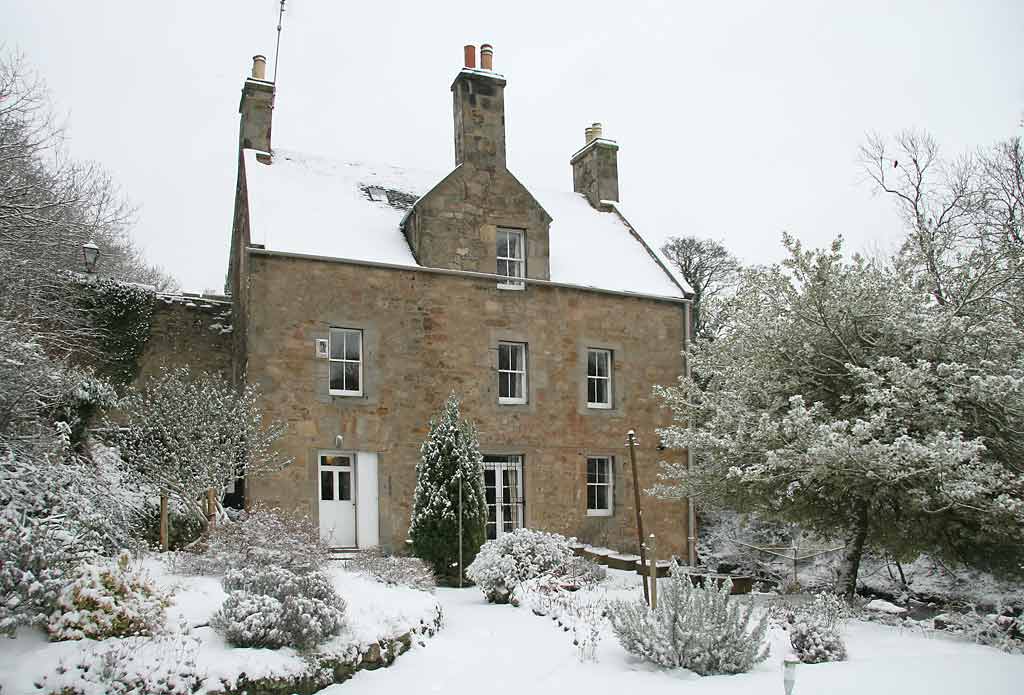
337	500
503	489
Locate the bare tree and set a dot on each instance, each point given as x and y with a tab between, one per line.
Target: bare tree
963	218
711	270
50	205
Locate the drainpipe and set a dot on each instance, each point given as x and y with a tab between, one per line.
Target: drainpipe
691	521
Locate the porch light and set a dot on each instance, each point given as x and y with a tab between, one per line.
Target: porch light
789	673
91	254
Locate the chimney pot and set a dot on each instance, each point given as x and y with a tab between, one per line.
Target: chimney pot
469	53
259	67
486	56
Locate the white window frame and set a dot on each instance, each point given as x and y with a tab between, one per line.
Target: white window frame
500	463
343	360
609	463
520	374
607	379
515	282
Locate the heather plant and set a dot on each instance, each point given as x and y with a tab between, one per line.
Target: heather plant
275	607
393	569
108	600
699	628
515	557
259	538
815	629
161	665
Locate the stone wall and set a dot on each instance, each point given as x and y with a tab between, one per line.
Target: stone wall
188	330
455	225
427	334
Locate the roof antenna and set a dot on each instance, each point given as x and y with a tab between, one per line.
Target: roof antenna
277	48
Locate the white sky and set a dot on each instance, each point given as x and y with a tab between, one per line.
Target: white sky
734	122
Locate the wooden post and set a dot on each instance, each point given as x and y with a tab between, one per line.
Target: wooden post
653	559
211	508
165	525
631	435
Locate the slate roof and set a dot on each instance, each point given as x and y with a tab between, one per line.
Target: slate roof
316	206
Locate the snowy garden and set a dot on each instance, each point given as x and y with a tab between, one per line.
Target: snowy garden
871	408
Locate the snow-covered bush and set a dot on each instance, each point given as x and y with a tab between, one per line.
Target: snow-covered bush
188	432
275	607
112	600
502	564
160	665
814	628
260	538
695	627
1004	632
579	572
393	569
33	560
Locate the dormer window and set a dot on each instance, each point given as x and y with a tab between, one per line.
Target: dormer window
511	255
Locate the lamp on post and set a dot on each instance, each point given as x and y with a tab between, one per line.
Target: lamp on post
91	254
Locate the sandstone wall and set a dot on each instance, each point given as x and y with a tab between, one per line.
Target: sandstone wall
187	330
427	334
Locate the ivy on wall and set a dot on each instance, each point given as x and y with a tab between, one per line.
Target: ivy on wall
122	314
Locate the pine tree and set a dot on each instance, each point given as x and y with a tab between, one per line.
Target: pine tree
450	457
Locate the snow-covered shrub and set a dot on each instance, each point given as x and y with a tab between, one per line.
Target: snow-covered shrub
814	628
695	627
160	665
260	538
33	561
1004	632
579	572
275	607
393	569
502	564
112	600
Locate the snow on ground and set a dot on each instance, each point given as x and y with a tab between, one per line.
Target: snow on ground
374	612
502	649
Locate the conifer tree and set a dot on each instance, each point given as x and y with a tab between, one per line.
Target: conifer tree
450	457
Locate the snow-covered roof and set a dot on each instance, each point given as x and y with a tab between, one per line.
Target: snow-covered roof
322	207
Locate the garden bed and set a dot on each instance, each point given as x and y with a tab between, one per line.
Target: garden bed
381	622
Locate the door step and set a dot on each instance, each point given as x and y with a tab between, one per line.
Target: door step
344	553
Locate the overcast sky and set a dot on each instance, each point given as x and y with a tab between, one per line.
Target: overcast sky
736	120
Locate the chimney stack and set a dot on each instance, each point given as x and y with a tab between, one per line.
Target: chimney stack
256	108
469	53
595	168
259	67
479	106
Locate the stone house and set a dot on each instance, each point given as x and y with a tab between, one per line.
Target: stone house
364	294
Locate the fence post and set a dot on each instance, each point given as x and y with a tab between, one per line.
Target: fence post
211	508
652	557
631	436
165	525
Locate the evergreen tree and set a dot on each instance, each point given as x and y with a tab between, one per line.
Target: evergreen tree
450	457
844	398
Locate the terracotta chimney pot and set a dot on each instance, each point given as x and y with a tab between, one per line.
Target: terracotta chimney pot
486	56
469	52
259	67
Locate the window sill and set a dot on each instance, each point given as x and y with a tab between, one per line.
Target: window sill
520	286
599	406
599	512
350	394
511	401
